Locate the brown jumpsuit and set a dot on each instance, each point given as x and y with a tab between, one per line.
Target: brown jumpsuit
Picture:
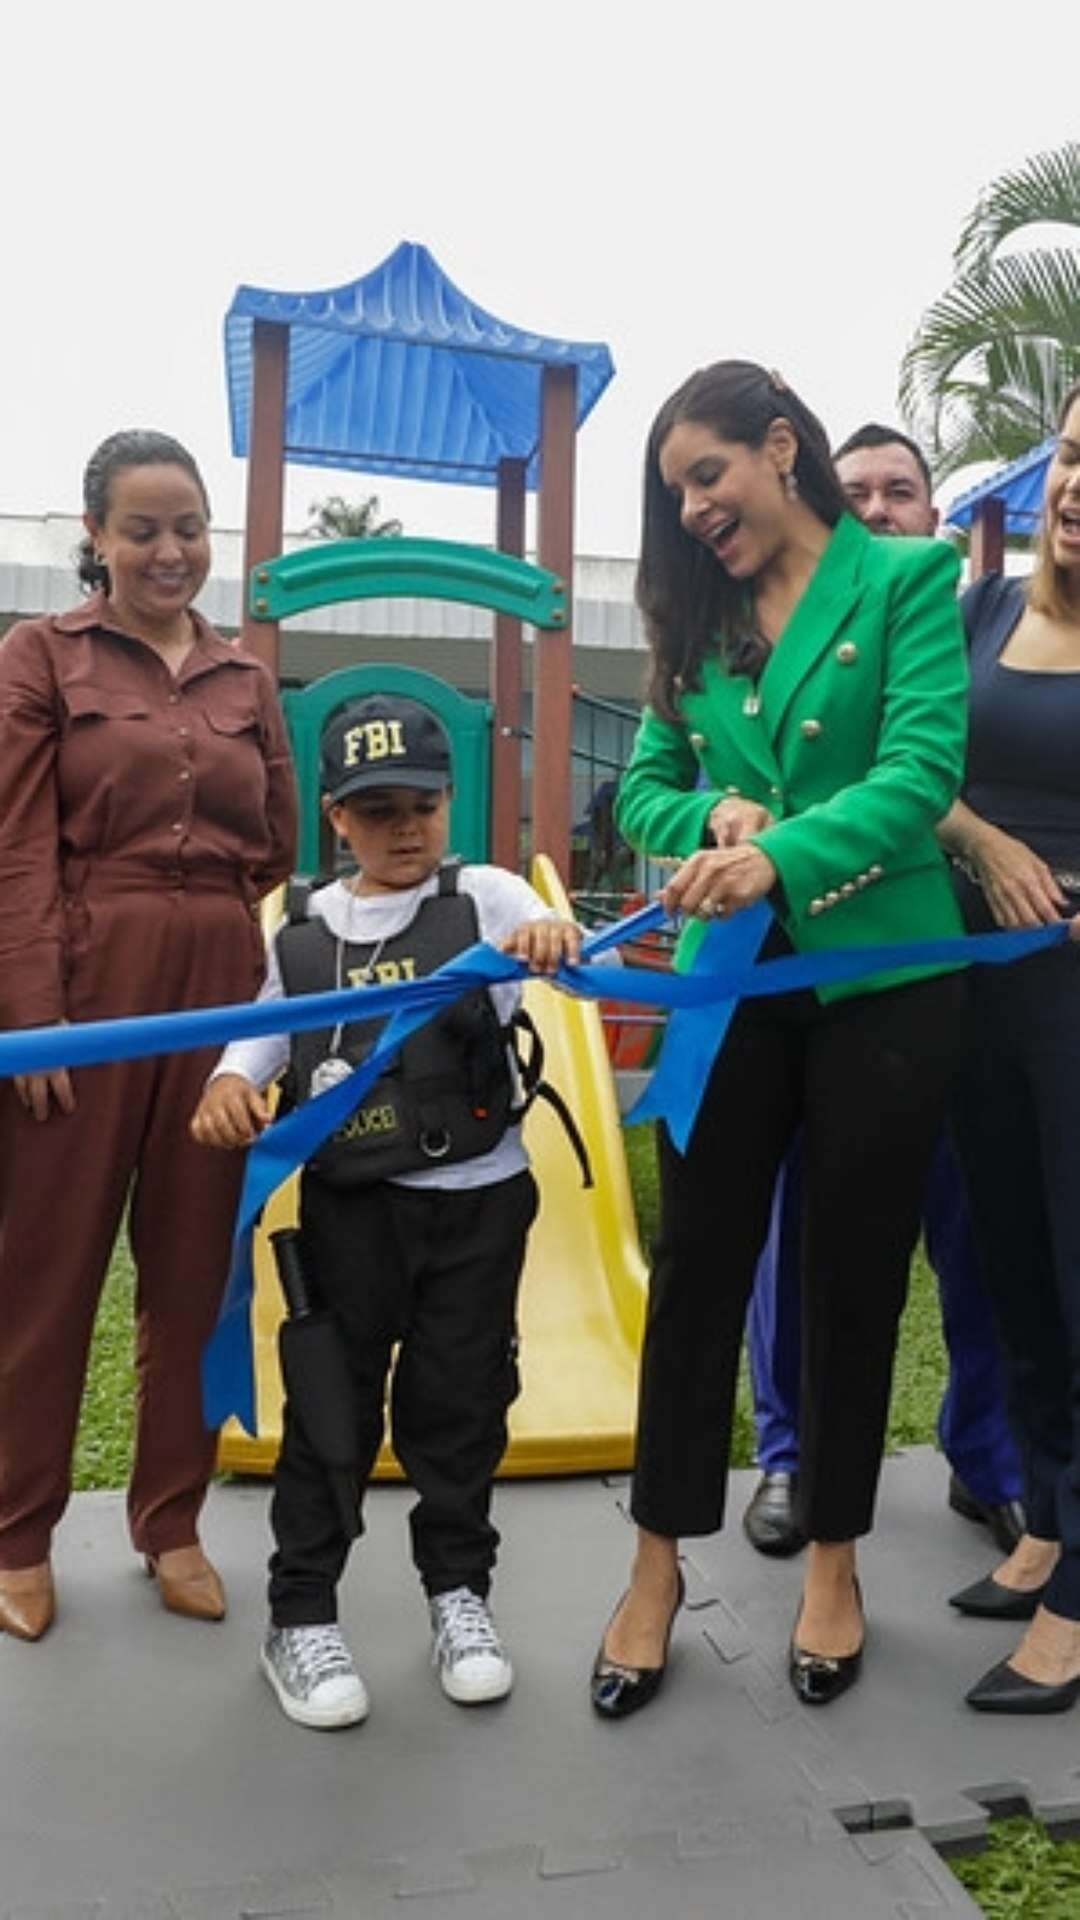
141	817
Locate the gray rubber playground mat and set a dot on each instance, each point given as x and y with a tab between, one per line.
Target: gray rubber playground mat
895	1877
146	1772
901	1745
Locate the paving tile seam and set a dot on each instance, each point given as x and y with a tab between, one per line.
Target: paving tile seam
830	1760
915	1874
915	1884
423	1873
851	1801
958	1819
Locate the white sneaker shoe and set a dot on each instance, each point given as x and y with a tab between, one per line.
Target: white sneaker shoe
466	1649
312	1672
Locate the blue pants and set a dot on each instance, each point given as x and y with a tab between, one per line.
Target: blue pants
972	1425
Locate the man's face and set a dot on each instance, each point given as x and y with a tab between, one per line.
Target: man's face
885	488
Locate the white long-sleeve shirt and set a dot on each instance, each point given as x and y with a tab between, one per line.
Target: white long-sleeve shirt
503	901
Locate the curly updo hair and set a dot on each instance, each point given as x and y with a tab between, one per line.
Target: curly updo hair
689	605
132	447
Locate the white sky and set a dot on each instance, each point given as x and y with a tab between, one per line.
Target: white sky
685	181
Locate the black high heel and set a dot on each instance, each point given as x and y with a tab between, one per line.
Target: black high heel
820	1678
988	1600
615	1690
1003	1690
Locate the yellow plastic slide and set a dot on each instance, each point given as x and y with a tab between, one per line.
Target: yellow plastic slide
583	1290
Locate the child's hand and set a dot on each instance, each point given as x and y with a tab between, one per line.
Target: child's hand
542	944
231	1113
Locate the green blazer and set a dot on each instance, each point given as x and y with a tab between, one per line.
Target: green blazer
854	738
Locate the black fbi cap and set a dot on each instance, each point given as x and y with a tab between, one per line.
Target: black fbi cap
383	741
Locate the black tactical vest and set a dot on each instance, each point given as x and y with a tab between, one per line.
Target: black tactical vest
449	1094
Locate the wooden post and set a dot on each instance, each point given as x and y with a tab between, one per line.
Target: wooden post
264	526
552	681
987	549
505	681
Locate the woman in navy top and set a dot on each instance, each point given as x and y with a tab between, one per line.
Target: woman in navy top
1015	836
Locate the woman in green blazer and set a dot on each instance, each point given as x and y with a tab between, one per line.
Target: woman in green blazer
805	731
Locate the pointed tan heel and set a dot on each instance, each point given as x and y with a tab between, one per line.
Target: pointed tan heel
27	1601
188	1584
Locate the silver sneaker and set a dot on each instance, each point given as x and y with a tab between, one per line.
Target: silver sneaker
312	1672
466	1649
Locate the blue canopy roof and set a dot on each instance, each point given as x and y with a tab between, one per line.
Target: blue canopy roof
1020	485
399	372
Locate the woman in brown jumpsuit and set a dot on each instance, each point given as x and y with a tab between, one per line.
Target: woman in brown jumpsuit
146	802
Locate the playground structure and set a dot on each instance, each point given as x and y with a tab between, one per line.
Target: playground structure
726	1804
401	373
583	1285
1008	501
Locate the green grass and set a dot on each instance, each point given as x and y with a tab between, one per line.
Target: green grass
103	1448
1022	1874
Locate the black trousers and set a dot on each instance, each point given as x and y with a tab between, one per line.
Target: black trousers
1018	1129
434	1273
867	1079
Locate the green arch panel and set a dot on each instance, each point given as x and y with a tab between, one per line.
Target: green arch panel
396	568
467	721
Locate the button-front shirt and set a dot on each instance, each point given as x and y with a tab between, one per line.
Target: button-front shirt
114	772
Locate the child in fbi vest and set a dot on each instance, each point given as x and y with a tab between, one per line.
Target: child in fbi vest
413	1220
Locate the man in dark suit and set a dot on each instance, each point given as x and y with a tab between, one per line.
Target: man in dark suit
888	485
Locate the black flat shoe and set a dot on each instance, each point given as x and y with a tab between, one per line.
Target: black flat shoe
769	1522
615	1690
820	1678
1003	1690
1005	1518
989	1600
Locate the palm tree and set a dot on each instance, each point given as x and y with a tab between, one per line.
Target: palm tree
339	519
985	374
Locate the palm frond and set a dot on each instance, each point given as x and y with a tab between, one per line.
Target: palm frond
984	376
978	426
1024	311
1045	188
336	518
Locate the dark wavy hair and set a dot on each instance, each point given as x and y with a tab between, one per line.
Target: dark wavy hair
132	447
690	606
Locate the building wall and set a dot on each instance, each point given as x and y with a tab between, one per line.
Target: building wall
37	575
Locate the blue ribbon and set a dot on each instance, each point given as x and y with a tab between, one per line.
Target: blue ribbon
92	1042
696	1029
694	1035
701	1003
228	1370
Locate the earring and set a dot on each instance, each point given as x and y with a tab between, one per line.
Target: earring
791	485
99	559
